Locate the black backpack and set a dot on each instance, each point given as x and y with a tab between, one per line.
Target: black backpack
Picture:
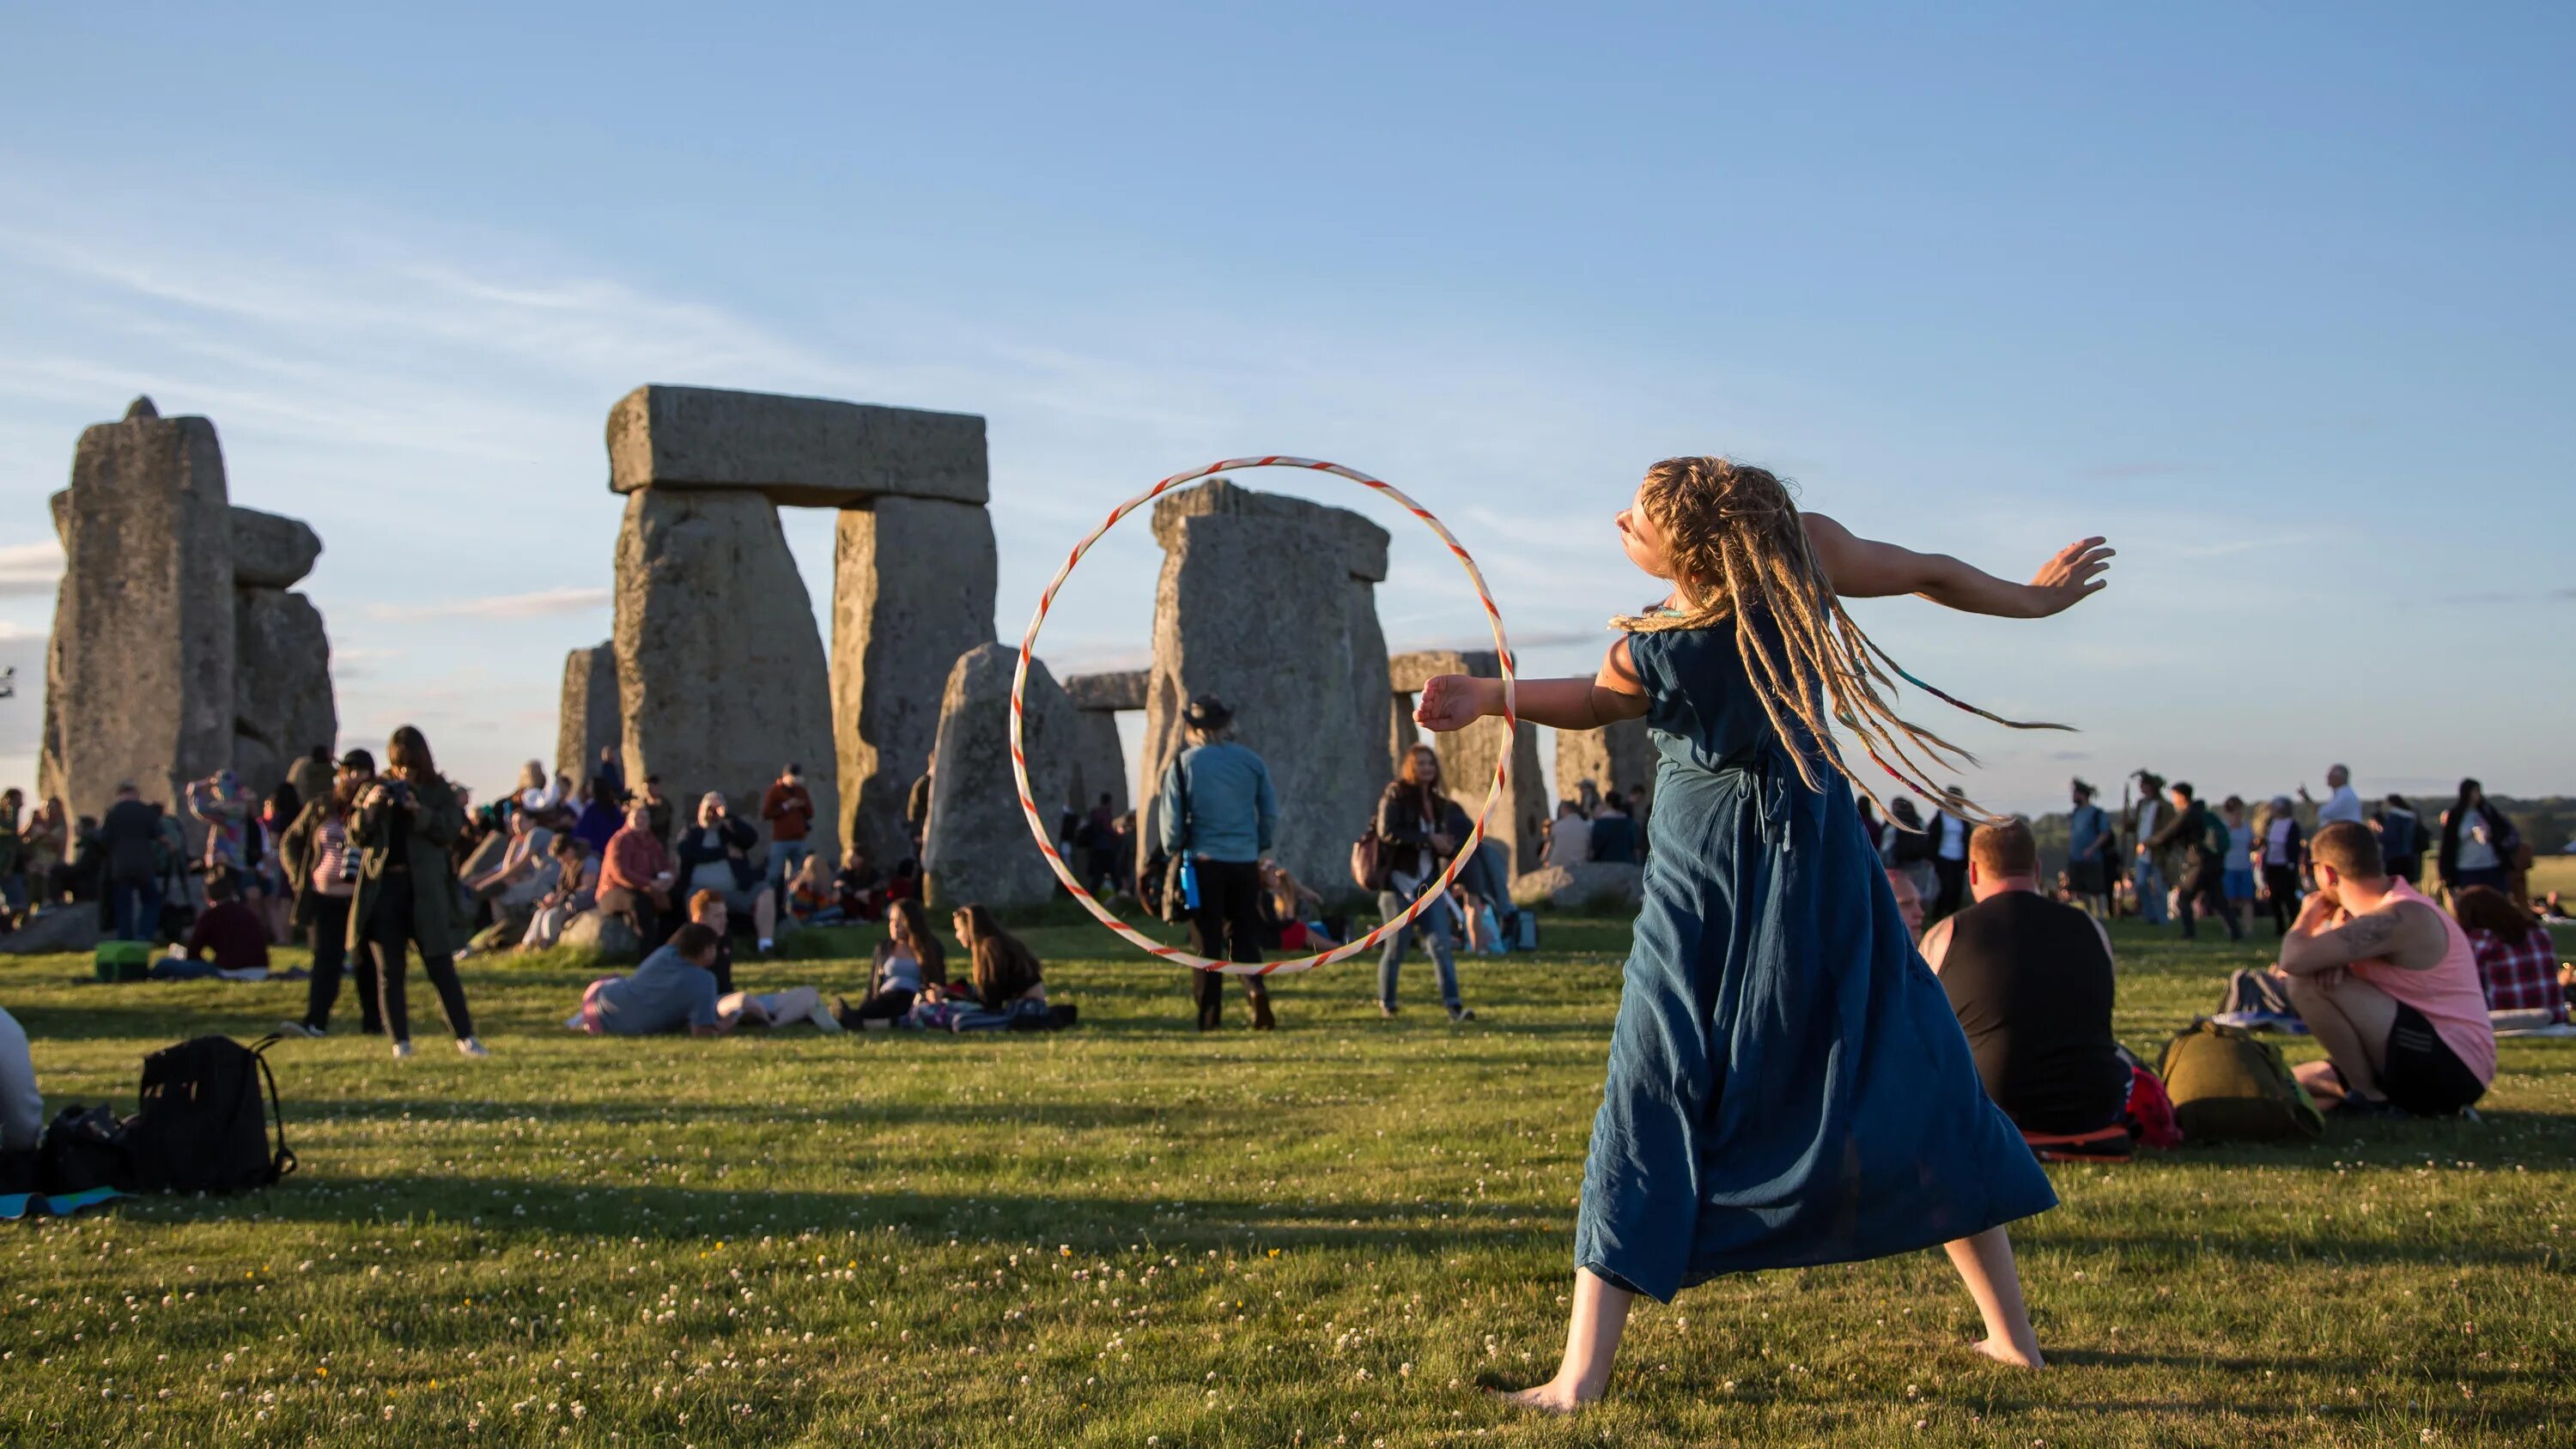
204	1124
83	1148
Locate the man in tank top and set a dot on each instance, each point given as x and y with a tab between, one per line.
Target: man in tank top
2388	983
2031	980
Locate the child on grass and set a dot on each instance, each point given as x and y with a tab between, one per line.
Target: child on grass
1787	1083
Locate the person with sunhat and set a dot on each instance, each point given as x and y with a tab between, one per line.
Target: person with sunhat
1216	805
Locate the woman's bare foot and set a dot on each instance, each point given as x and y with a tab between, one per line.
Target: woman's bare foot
1556	1396
2012	1354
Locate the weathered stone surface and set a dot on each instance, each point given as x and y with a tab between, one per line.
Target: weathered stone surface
602	935
1116	690
282	698
1468	756
979	848
588	720
141	667
271	551
1360	544
1256	607
71	928
1604	885
912	589
1620	757
799	450
1099	761
721	679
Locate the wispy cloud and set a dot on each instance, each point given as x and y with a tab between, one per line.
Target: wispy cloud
30	570
544	602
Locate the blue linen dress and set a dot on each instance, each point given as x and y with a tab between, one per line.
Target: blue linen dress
1787	1084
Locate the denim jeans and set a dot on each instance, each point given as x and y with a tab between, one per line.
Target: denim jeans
786	857
137	908
2151	889
1436	926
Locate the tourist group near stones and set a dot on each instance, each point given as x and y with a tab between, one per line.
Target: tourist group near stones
179	648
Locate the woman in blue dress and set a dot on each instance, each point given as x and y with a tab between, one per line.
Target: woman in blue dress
1787	1083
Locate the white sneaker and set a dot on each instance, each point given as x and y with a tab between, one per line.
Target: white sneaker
402	1051
297	1028
471	1048
823	1019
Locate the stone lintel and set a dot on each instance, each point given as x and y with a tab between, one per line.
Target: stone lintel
800	451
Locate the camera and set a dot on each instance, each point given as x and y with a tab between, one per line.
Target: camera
348	859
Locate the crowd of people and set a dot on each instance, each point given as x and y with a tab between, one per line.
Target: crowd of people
2407	997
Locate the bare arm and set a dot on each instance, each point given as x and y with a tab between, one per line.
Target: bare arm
1936	944
2405	936
1863	568
1455	701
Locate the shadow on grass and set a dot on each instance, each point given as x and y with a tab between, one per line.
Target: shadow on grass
1087	1223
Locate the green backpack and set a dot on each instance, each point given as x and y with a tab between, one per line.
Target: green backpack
2228	1085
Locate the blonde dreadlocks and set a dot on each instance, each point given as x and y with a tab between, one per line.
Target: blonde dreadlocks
1740	553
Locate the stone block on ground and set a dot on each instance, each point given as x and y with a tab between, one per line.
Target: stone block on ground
979	848
271	551
721	677
71	928
587	720
913	582
1593	885
809	451
602	934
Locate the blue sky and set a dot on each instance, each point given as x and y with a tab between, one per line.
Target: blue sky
2280	301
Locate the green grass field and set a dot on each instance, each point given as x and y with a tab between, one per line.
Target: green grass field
1129	1235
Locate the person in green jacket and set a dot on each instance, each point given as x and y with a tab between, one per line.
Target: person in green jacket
406	819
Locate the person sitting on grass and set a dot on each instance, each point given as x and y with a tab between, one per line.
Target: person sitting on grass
909	961
858	888
2032	982
1006	971
715	855
775	1008
2388	983
230	940
1292	913
635	877
2517	959
1909	901
576	890
812	899
22	1107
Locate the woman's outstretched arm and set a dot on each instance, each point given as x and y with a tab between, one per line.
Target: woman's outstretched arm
1455	701
1863	568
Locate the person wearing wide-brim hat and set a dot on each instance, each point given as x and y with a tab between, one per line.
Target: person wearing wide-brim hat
1216	803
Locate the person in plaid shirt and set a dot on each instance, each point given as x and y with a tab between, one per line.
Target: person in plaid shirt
2517	957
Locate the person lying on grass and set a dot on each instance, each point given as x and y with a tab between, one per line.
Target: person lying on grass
675	990
2388	983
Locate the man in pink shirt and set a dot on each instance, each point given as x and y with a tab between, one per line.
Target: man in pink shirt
2389	985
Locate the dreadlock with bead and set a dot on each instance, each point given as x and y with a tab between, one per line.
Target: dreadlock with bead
1741	557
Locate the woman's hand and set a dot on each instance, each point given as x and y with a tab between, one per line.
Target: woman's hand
2065	580
1454	701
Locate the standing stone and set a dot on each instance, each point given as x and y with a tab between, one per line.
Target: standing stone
1255	606
282	684
141	666
1620	757
1468	756
721	679
979	848
913	587
1108	693
588	720
1099	762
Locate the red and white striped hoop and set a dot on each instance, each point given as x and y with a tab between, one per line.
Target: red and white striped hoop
1019	755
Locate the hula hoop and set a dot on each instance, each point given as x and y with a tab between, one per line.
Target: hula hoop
1429	893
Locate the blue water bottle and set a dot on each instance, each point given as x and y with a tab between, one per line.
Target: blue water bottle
1189	883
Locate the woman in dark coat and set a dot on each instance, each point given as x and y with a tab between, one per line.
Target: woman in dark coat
406	819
